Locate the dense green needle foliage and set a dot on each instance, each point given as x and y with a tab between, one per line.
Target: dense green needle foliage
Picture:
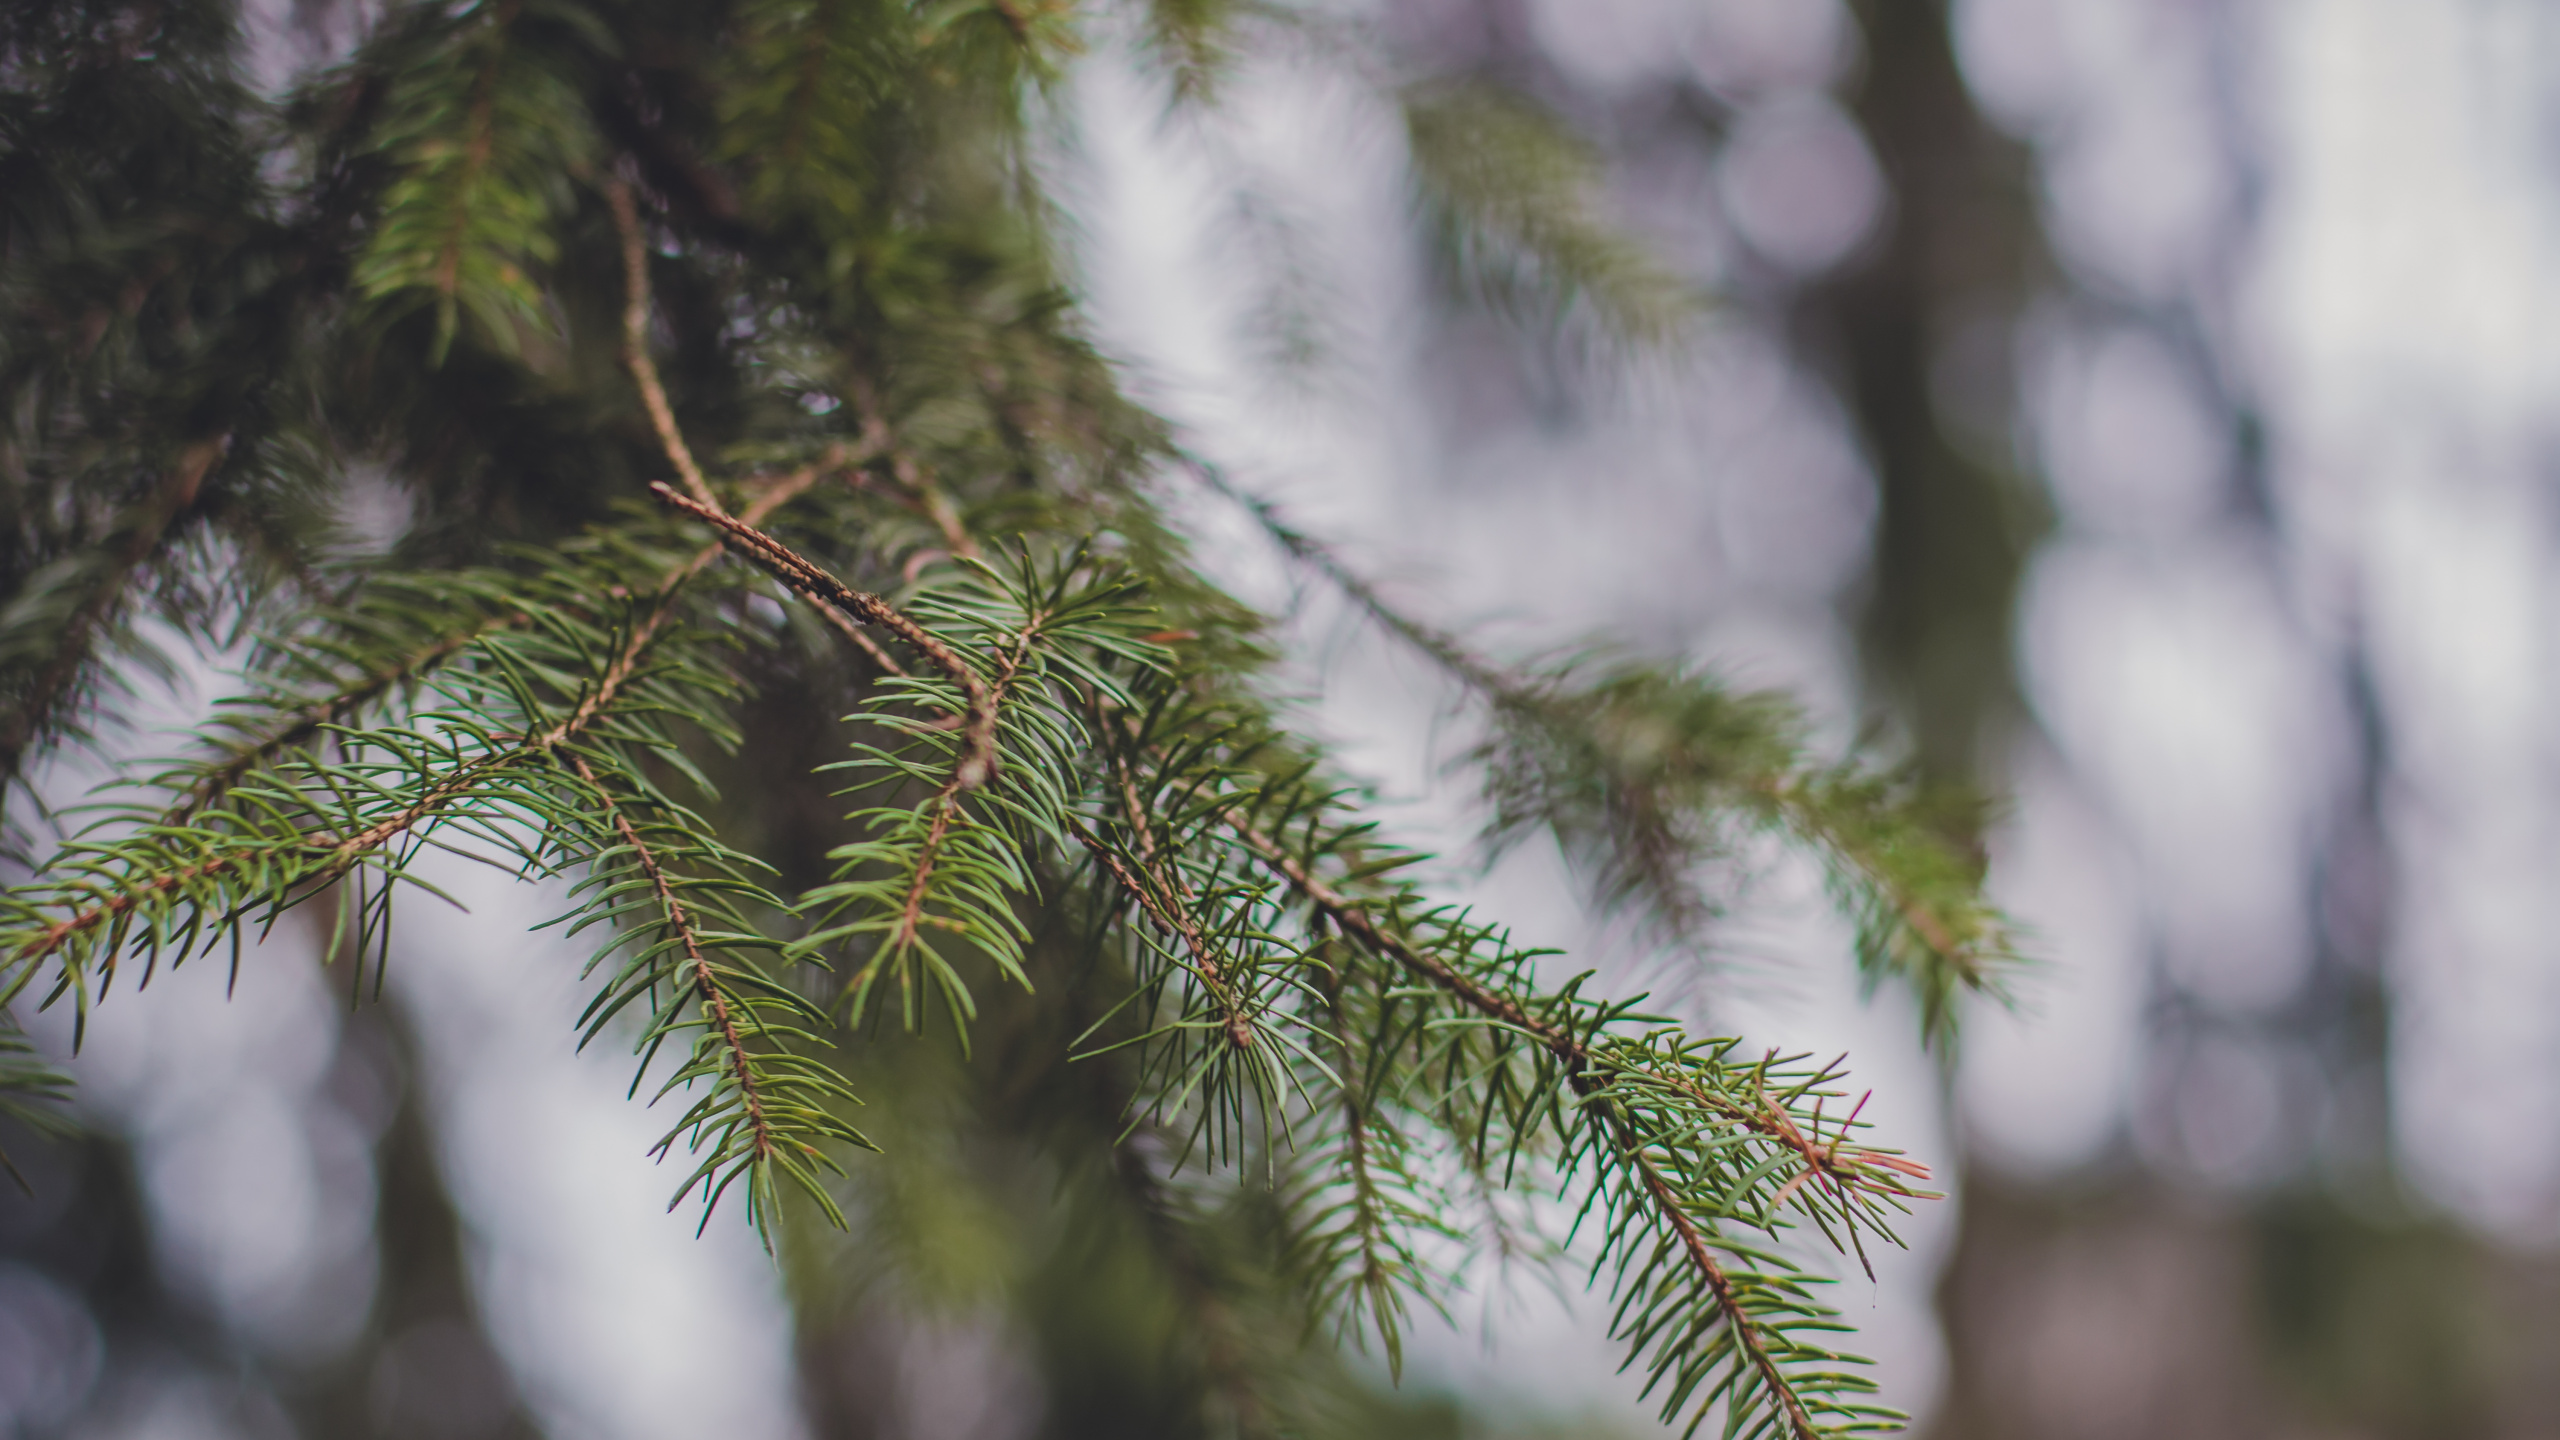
510	263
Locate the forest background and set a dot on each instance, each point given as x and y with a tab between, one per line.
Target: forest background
2136	404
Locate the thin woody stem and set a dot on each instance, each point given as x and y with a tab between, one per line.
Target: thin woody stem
1354	920
1170	899
1172	920
1712	1272
946	811
635	342
662	417
978	742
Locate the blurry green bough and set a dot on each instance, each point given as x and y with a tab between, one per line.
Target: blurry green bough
458	265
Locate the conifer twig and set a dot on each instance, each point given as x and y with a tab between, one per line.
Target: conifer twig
978	758
946	805
1172	920
715	1001
1172	912
337	855
1971	955
1355	921
1579	1062
635	341
1745	1333
306	721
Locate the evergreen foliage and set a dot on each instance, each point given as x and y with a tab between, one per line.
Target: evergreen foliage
515	260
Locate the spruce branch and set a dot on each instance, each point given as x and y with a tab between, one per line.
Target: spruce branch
944	814
1172	917
1649	1106
1648	773
1738	1320
1155	880
1849	1168
1066	768
1368	1206
479	140
955	861
485	609
767	1111
978	759
271	844
706	983
1645	1109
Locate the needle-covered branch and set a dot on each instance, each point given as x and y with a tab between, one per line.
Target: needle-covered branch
367	349
1655	776
769	1104
978	760
1663	1136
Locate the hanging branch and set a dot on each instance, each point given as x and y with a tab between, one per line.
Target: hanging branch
280	847
766	1109
1643	771
715	1001
1611	1083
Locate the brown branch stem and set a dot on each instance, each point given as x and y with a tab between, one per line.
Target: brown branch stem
1171	920
1720	1284
635	342
946	809
1173	908
978	745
